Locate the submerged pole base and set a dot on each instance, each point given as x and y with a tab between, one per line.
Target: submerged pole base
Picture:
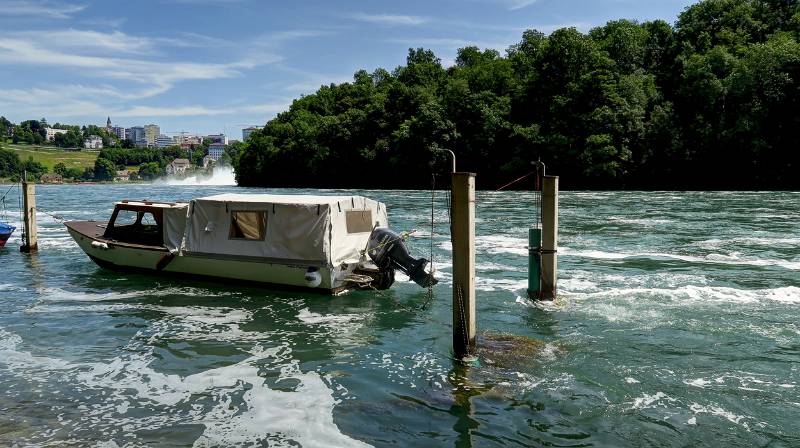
471	361
29	249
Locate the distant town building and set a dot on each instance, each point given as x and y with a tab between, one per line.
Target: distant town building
109	127
218	138
188	141
93	142
178	166
151	133
216	150
136	135
51	178
247	131
119	131
164	141
122	176
208	161
51	133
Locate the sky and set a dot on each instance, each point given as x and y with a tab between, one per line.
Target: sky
211	66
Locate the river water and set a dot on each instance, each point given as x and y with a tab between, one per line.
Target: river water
677	324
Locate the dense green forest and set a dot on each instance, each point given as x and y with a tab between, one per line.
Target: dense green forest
709	103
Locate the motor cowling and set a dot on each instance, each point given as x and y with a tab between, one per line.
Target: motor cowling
388	251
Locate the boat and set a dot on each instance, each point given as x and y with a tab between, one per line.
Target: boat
5	233
329	244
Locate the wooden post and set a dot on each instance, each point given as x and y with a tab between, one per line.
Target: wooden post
30	243
463	238
549	236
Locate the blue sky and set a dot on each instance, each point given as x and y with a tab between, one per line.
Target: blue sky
212	66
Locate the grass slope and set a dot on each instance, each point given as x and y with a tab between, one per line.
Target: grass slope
50	156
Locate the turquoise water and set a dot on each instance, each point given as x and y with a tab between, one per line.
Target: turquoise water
678	324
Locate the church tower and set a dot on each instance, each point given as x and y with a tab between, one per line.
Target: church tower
108	125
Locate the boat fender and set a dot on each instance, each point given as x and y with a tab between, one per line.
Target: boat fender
99	245
313	277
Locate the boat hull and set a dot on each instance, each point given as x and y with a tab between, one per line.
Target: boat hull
150	259
5	233
4	239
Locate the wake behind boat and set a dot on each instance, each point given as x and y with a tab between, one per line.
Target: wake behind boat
328	243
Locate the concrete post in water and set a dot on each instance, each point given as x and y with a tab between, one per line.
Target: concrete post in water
30	242
549	251
463	239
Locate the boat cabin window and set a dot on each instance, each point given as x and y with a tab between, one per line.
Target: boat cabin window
247	225
136	227
359	221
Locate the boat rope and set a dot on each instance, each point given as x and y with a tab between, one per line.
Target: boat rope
429	297
53	215
517	180
7	191
462	316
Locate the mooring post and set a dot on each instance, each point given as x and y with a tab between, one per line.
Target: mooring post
463	239
30	242
549	250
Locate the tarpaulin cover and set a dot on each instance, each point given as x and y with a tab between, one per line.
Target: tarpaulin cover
174	225
326	230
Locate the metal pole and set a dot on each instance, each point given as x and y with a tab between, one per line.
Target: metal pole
30	243
463	239
549	251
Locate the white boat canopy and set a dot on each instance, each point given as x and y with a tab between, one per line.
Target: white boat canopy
297	229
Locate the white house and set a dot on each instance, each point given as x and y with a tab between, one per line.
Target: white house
178	166
208	161
51	133
93	142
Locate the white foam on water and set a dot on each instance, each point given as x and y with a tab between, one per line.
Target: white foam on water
302	415
501	244
698	382
501	284
59	294
769	242
490	266
631	380
327	319
729	259
648	401
647	222
694	294
720	412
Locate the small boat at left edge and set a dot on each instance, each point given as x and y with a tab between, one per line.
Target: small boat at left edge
5	232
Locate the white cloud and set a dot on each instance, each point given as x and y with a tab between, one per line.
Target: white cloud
80	101
514	5
115	42
389	19
449	43
159	76
197	110
51	10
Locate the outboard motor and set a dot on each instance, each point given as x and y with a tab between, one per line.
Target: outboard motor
389	252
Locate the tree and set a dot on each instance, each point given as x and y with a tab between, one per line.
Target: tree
61	169
150	171
628	105
104	169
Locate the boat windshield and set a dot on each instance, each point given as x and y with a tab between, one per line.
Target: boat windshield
136	226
